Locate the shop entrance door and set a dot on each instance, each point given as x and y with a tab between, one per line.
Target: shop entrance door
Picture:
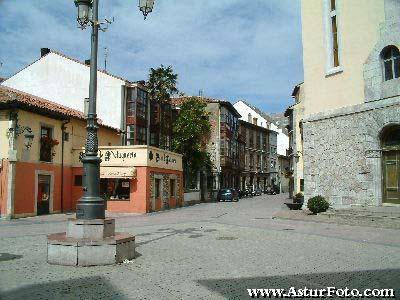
43	194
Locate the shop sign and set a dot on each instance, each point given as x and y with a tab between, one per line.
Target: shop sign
143	156
117	172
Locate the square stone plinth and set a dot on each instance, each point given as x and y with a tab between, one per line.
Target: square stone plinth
63	250
96	229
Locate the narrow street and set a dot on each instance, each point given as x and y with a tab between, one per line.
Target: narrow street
205	251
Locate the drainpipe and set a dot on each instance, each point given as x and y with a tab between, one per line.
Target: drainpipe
62	162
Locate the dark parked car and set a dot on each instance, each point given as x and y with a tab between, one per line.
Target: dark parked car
228	195
269	190
257	192
248	193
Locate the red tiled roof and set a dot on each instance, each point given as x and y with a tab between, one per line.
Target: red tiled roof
180	100
11	97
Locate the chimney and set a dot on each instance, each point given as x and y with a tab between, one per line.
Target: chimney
44	51
87	62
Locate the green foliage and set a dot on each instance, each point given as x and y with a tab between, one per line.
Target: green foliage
298	198
317	204
190	131
162	83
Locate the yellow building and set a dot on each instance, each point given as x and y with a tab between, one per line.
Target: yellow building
349	106
37	139
295	113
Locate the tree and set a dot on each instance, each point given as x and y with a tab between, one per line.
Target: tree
191	131
162	85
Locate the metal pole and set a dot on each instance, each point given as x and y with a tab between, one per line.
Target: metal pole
91	205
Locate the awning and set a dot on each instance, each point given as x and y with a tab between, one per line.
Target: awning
117	172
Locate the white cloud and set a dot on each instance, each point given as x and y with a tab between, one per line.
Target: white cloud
229	48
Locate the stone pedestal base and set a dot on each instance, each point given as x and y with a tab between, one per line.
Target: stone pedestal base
90	243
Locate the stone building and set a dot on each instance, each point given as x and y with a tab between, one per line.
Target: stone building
260	156
254	115
225	148
351	120
283	173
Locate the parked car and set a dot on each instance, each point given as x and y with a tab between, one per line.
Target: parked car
257	192
228	195
248	192
242	193
269	190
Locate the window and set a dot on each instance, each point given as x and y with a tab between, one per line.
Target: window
332	34
78	180
130	135
141	135
172	187
302	185
141	104
46	144
115	189
130	102
391	62
65	136
157	187
255	121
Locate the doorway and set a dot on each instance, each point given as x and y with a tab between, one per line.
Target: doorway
390	140
391	177
43	197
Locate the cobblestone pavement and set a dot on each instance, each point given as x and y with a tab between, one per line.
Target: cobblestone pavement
206	251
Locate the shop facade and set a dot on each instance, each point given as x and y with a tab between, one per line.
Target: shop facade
137	179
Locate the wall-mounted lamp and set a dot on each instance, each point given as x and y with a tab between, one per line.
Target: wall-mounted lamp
15	131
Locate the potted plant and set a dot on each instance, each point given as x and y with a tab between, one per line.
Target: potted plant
297	203
47	145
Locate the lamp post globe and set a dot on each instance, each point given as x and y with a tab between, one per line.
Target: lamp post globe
146	7
84	8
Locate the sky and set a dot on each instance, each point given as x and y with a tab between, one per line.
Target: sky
230	49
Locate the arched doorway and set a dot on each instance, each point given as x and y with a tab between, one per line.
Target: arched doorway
390	142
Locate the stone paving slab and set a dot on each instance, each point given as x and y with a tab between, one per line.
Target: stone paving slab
206	251
355	218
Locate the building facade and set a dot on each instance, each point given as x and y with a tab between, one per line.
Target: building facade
351	120
37	139
121	103
260	157
225	147
41	171
252	114
295	113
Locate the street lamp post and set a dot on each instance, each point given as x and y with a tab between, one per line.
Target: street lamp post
91	205
90	239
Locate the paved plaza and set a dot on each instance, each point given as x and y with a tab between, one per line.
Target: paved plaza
205	251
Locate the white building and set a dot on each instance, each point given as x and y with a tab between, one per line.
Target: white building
253	115
65	80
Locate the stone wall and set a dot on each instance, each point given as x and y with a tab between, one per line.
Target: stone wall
376	87
342	157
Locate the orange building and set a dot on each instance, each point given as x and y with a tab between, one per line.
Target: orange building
40	171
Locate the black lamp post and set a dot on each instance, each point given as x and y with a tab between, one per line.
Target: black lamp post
91	205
